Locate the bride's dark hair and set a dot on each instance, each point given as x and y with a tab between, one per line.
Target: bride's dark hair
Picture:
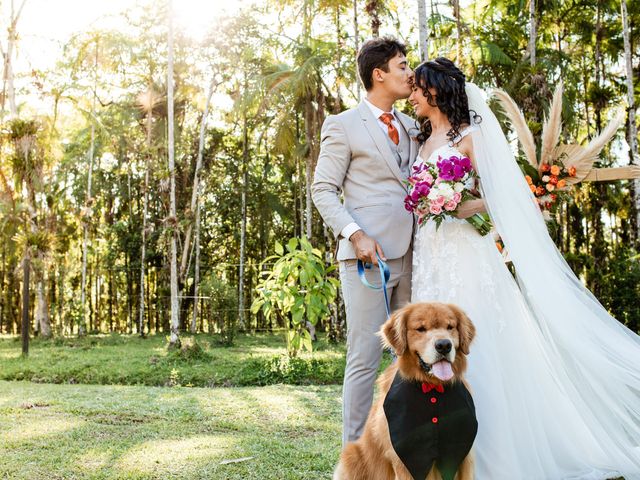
451	98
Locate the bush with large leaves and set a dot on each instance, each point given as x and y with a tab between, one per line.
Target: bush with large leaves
297	290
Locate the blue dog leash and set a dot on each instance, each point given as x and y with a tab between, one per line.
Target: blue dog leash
385	274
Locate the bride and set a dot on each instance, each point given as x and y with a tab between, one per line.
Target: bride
555	379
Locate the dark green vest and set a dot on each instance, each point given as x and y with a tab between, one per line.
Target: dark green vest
430	427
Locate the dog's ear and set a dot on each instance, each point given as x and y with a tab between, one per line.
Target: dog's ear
394	331
466	329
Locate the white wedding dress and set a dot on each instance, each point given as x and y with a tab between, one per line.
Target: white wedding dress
555	380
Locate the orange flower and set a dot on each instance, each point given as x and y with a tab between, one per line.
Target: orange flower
551	187
553	180
572	171
545	167
562	184
555	170
540	191
533	188
528	179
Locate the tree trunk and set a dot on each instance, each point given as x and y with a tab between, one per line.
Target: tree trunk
145	209
456	13
632	130
88	204
356	37
532	32
243	227
25	305
196	279
424	30
195	193
42	311
173	223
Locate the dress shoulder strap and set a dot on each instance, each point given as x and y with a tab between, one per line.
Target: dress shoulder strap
462	134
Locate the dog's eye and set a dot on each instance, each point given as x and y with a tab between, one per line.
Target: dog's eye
421	329
449	327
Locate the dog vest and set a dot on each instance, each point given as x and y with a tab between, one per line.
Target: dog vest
428	424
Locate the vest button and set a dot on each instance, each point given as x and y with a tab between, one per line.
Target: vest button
434	399
434	420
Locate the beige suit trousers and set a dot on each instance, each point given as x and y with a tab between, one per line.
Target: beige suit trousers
365	315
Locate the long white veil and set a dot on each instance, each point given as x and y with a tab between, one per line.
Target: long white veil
599	358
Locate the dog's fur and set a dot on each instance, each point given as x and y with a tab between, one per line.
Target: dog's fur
413	329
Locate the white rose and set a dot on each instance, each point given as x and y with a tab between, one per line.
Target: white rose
434	193
446	191
458	187
545	178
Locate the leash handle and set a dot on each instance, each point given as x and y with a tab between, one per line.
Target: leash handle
385	274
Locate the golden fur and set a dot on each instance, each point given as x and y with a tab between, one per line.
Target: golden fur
414	328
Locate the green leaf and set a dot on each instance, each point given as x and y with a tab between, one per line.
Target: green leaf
279	249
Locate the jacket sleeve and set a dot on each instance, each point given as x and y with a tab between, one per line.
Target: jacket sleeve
331	169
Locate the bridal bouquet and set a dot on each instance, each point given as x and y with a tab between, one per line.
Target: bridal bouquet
548	184
436	191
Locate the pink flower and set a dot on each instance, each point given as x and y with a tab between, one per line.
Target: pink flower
440	201
426	177
450	205
435	209
457	197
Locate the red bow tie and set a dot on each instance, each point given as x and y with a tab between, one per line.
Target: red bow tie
427	387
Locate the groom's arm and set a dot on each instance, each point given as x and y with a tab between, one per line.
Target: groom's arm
332	166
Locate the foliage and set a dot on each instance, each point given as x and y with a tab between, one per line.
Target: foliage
299	288
278	70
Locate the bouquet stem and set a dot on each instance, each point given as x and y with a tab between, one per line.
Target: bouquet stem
480	223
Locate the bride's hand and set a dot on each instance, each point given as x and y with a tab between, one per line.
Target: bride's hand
469	208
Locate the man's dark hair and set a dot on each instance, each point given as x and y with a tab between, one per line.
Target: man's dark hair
376	53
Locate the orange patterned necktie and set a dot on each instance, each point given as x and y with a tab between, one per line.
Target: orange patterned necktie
393	132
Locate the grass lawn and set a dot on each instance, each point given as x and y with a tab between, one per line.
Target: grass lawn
129	360
136	432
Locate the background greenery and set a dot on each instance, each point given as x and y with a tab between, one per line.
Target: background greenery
282	68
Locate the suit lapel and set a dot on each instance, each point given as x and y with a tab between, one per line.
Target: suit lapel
410	124
371	124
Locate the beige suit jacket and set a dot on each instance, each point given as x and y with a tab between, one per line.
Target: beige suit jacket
356	162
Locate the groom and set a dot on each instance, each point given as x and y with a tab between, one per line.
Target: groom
365	155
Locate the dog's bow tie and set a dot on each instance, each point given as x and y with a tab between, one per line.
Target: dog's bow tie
427	387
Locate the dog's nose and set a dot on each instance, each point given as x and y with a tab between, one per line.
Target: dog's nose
443	346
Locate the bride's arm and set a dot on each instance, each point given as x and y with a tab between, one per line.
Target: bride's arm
470	207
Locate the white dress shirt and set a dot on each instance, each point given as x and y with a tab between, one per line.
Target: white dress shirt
377	112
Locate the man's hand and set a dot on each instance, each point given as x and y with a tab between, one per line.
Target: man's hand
469	208
366	247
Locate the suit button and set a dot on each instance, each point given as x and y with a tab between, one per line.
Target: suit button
434	420
434	399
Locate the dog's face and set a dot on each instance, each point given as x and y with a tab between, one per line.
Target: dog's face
434	334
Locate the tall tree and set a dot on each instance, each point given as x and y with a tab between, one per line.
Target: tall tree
632	129
172	221
88	199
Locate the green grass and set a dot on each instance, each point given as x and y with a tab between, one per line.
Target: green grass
129	360
137	432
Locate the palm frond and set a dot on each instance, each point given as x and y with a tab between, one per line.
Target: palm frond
520	124
552	127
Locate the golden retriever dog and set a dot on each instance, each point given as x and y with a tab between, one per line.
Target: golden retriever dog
423	423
